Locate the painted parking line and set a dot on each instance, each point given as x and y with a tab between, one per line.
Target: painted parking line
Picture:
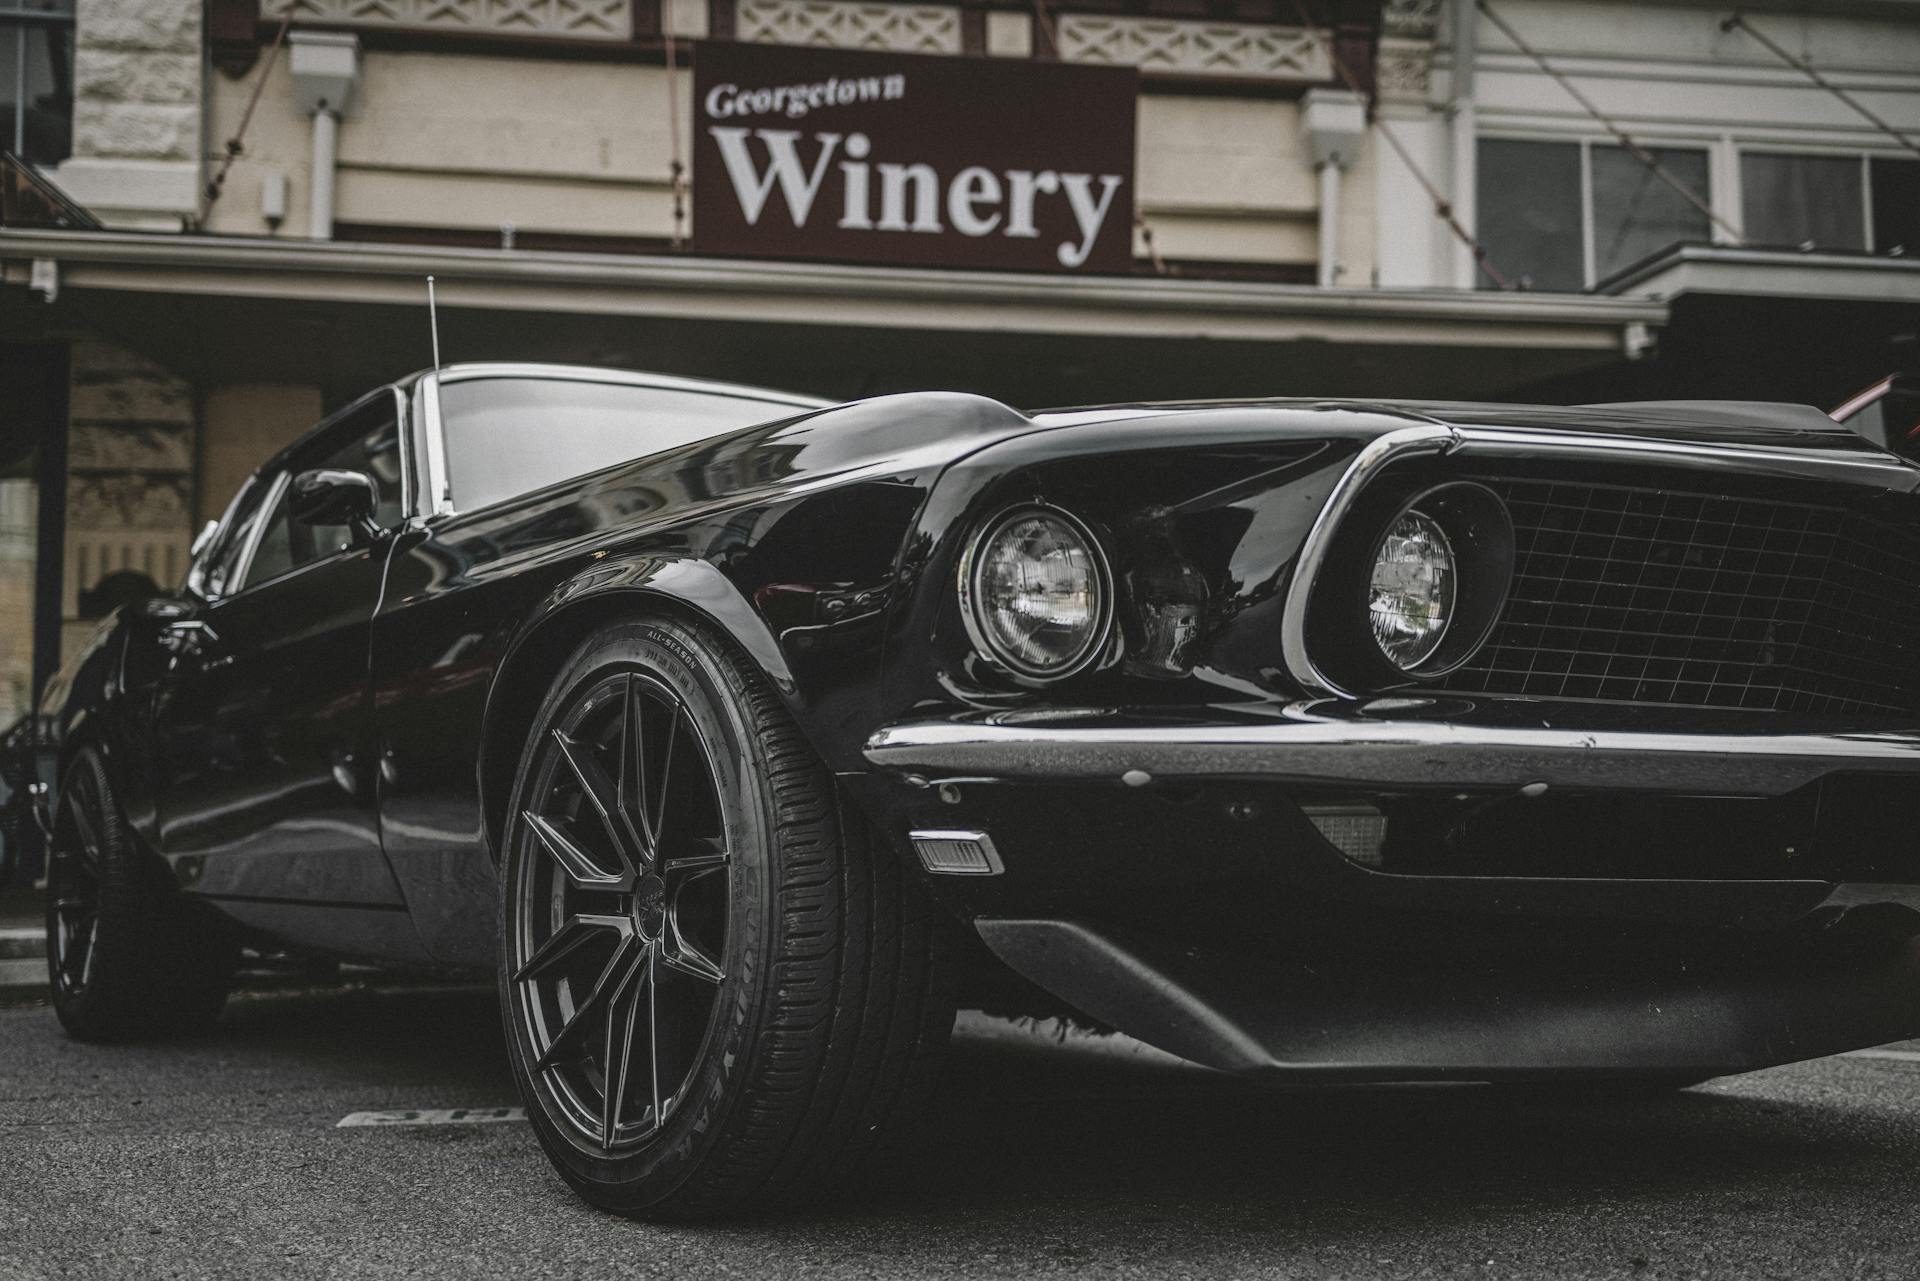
1898	1056
433	1116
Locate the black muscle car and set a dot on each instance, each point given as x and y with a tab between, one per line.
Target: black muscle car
744	735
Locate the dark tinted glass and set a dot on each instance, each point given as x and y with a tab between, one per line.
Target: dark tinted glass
508	436
368	443
36	113
1636	213
1529	212
1896	205
1803	200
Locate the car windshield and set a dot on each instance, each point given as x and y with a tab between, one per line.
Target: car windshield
507	436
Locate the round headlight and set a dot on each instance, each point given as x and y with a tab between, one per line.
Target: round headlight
1035	593
1410	596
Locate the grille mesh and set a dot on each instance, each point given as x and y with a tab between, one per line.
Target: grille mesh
1646	595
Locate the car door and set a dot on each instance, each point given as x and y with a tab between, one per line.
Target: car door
263	741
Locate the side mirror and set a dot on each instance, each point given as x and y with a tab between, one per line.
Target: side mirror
331	496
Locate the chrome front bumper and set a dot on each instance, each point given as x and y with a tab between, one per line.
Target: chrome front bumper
1391	744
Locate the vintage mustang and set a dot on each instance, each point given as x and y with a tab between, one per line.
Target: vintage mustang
745	734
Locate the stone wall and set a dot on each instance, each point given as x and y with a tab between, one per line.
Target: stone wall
137	141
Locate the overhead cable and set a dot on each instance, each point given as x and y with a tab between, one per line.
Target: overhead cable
1812	73
1620	135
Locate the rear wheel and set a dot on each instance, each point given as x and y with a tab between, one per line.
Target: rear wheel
127	955
717	997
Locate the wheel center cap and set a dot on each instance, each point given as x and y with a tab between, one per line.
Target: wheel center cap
649	906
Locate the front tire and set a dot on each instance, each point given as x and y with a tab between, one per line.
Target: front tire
127	956
717	997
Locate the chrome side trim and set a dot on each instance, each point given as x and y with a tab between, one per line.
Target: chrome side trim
1863	467
1423	439
1309	748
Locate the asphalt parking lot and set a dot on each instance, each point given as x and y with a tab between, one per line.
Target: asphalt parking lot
223	1157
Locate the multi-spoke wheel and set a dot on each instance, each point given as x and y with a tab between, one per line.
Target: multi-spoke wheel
126	956
713	997
619	935
73	887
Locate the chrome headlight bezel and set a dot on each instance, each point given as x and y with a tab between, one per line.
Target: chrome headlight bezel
1478	531
973	595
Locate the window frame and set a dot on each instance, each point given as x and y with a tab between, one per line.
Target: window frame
429	428
1865	156
1586	141
277	475
16	17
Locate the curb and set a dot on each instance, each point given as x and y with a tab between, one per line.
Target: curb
23	961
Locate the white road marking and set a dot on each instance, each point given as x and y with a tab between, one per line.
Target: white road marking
433	1116
1898	1056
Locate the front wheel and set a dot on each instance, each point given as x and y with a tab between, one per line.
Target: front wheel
716	996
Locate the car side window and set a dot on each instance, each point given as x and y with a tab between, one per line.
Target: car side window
223	564
372	447
510	436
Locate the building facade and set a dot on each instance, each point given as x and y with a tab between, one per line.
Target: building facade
227	210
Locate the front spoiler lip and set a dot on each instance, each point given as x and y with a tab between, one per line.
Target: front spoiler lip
1346	744
1619	1018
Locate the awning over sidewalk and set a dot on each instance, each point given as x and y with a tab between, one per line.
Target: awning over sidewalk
347	315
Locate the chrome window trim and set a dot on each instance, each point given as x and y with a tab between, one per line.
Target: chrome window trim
1861	468
403	441
432	431
433	424
196	582
244	566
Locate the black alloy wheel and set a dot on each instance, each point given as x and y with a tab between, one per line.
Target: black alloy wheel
77	856
127	955
620	918
715	998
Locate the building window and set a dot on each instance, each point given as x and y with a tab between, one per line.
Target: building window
1803	200
1829	201
1562	215
1895	188
36	79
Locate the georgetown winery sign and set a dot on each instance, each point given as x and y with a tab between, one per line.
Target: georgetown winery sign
911	159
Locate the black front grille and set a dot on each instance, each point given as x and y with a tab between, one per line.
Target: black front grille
1645	595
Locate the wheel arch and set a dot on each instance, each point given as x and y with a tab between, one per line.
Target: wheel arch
692	590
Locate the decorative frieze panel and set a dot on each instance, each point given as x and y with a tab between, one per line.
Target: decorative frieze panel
1404	70
1412	19
1195	48
844	24
568	19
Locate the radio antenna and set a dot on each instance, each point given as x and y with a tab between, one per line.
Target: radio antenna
433	324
